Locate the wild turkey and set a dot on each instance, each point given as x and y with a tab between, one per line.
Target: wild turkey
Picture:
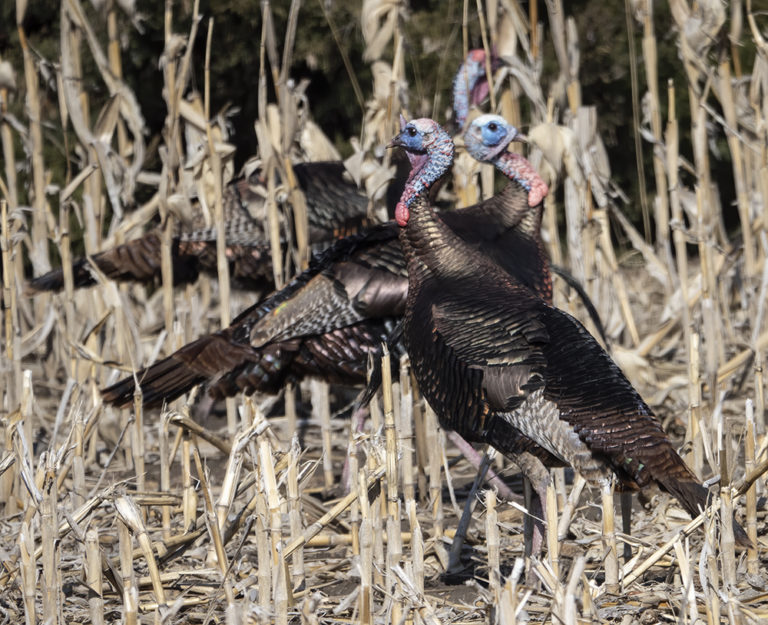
335	208
500	365
469	87
327	321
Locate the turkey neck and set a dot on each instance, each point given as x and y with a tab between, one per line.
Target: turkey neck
508	209
511	205
431	247
462	87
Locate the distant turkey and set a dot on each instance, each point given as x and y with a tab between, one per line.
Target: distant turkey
326	322
470	87
335	208
500	365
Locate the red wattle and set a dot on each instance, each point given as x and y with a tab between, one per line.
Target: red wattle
402	214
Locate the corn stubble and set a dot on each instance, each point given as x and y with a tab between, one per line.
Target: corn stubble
145	517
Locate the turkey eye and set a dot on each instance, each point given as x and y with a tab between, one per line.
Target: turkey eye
493	127
411	131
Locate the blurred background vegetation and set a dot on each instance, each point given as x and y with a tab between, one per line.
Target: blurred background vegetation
433	32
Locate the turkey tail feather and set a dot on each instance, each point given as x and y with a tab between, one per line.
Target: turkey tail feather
51	281
683	485
137	260
163	381
202	360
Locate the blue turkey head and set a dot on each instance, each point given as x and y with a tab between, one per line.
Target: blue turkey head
430	151
417	137
488	136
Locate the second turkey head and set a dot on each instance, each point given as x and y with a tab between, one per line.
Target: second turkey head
487	139
488	136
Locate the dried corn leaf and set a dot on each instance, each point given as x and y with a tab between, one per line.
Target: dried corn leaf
7	76
354	164
529	78
315	145
266	153
512	30
699	24
106	123
378	19
634	366
560	146
74	16
191	111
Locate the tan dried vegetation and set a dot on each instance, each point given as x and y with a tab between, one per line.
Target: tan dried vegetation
111	515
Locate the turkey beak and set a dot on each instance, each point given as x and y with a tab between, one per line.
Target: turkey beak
396	142
521	138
